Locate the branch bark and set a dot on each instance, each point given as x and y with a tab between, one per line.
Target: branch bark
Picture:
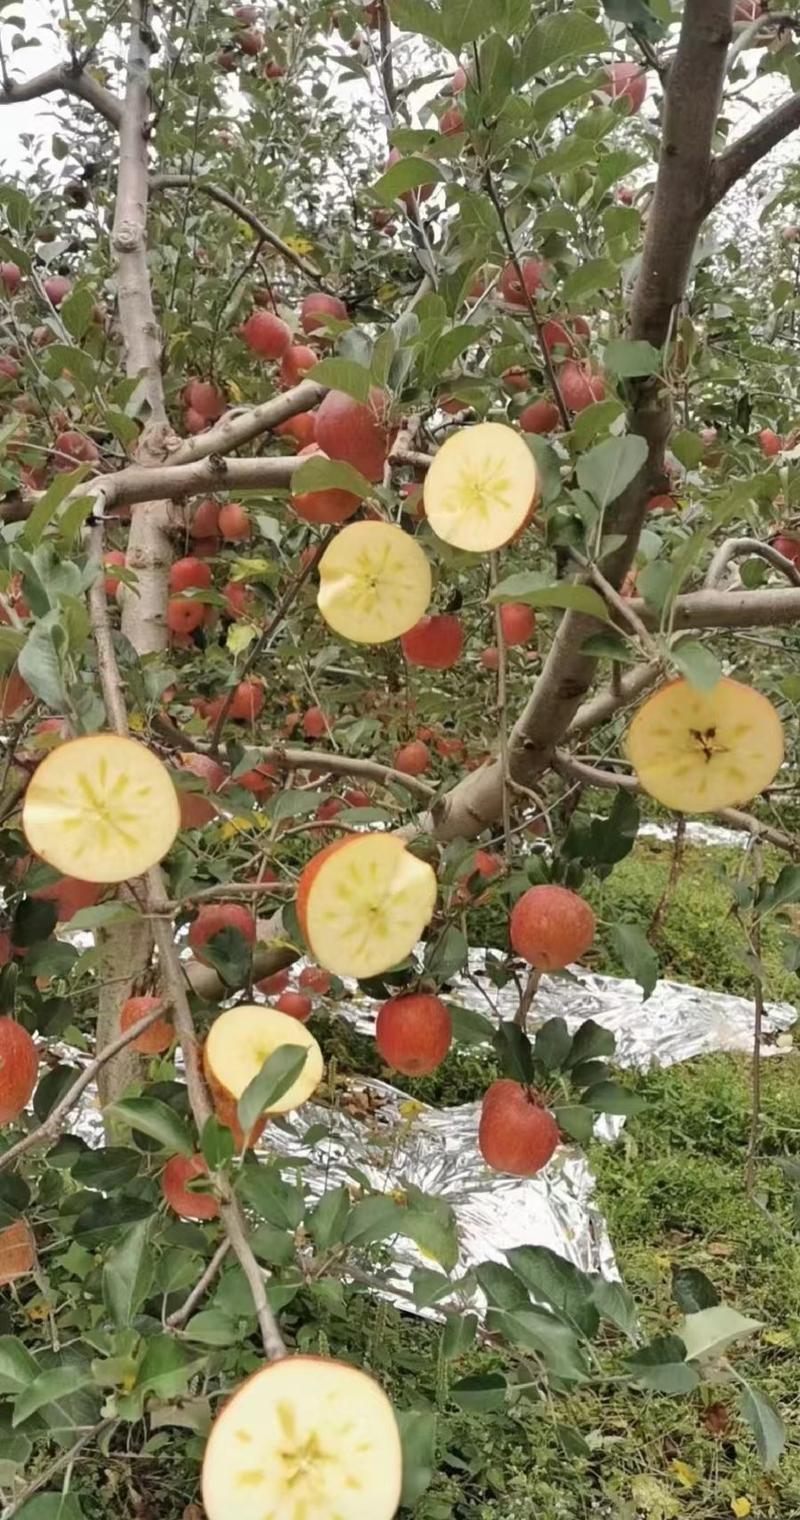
776	606
738	548
73	81
743	155
241	427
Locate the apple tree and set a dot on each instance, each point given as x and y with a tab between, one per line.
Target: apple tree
398	453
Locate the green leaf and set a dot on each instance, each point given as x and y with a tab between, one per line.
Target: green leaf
63	356
764	1419
688	448
17	1367
469	1026
576	1120
319	474
293	804
662	1366
568	34
628	359
709	1332
608	469
496	72
431	1224
591	1042
589	277
609	646
571	153
51	1506
407	174
514	1051
502	1287
613	1098
128	1274
447	954
166	1368
39	663
279	1072
526	586
231	956
429	1287
555	1281
458	1335
549	467
374	1219
549	1337
212	1327
483	1393
593	420
49	1388
654	582
697	663
785	889
342	375
328	1221
275	1200
418	1437
637	956
465	21
617	1305
635	13
556	97
552	1044
692	1290
108	1168
77	310
154	1118
48	504
216	1143
103	914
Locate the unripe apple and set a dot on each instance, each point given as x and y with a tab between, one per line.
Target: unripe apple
413	1033
179	1171
550	927
517	284
413	759
541	416
435	642
19	1068
318	305
296	1004
626	81
267	335
234	523
516	1134
214	918
158	1037
57	288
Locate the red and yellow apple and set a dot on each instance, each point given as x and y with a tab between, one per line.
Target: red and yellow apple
363	902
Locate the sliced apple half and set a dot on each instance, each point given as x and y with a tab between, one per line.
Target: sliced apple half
482	487
374	583
241	1039
697	751
304	1439
101	808
363	903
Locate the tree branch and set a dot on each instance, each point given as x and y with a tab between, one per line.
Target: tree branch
741	156
776	606
224	198
632	683
240	427
737	548
74	82
180	1316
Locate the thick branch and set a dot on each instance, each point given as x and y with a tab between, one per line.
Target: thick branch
776	606
632	683
224	198
74	82
240	427
739	548
741	156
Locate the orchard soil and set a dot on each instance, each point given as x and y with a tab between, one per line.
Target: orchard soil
673	1193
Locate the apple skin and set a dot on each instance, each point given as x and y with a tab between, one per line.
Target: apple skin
111	560
302	428
70	895
579	386
355	431
155	1040
57	288
203	397
10	277
19	1069
320	305
550	927
205	521
490	658
315	979
788	547
414	1033
540	417
518	623
413	759
274	984
296	362
626	81
189	573
451	123
17	1252
515	290
661	503
72	448
435	642
516	1134
266	334
188	1205
296	1004
214	918
234	523
770	443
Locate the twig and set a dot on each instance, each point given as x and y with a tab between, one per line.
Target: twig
528	994
737	548
674	871
49	1127
224	198
57	1465
502	710
754	939
180	1316
623	606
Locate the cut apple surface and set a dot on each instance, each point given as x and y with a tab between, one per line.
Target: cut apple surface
101	808
363	903
304	1439
697	751
374	583
481	488
239	1042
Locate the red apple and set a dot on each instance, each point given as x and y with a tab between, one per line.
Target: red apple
57	288
661	503
319	305
203	397
451	123
274	984
234	523
413	759
626	81
205	520
518	622
296	362
314	978
579	386
19	1068
14	693
250	42
70	895
516	1134
267	335
434	642
10	275
155	1040
540	417
771	444
184	616
296	1005
414	1033
178	1171
213	919
114	557
550	927
189	573
490	658
315	723
71	448
515	379
516	284
302	428
355	431
9	368
788	547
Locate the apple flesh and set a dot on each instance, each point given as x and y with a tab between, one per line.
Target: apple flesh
697	751
515	1134
550	927
414	1033
239	1041
19	1068
179	1171
374	583
481	488
363	903
102	808
304	1438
